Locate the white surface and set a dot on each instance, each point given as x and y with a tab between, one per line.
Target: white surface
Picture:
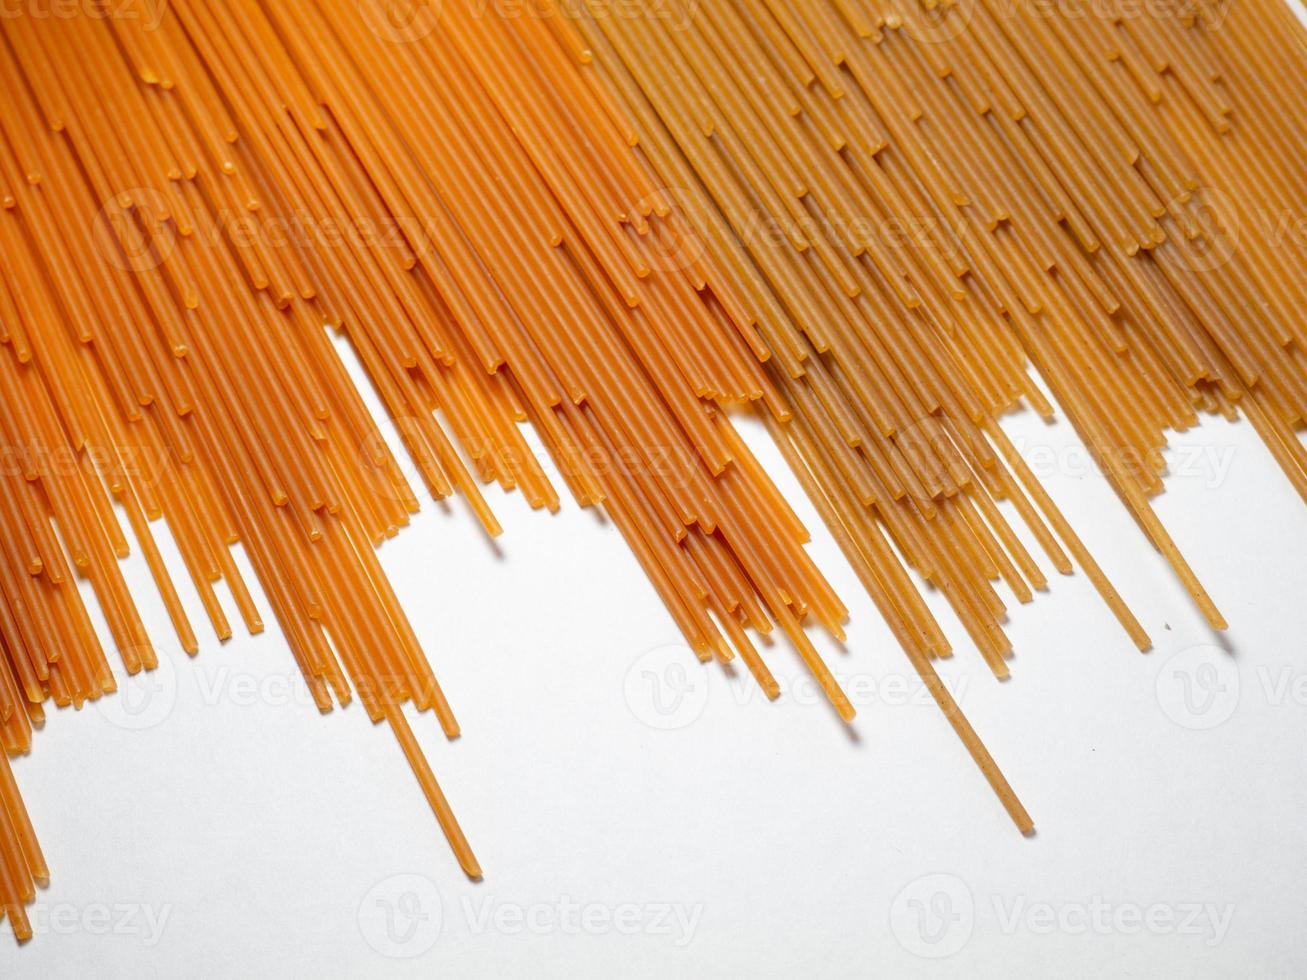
240	834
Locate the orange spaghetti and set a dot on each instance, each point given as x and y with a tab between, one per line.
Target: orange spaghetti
166	335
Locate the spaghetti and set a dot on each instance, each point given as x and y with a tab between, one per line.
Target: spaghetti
917	202
862	220
175	353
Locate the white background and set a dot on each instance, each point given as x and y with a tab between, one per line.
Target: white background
638	815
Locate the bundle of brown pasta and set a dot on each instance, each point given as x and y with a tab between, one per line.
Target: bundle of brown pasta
916	201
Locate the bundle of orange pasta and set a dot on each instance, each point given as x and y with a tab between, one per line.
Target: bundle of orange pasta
131	388
192	204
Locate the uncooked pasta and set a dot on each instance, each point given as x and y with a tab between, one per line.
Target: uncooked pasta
872	224
167	354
